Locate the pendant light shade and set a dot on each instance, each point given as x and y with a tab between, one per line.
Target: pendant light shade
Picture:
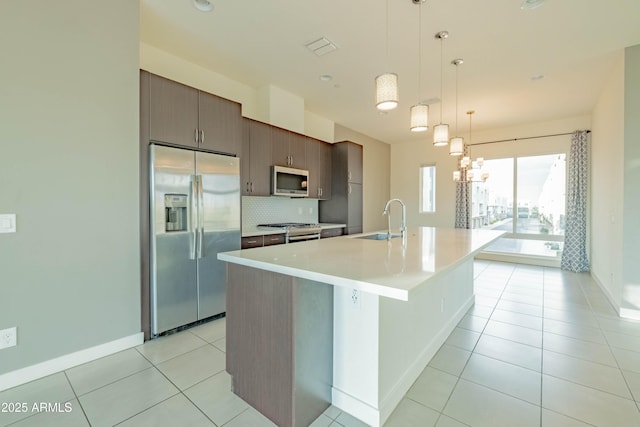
387	91
456	146
419	118
440	135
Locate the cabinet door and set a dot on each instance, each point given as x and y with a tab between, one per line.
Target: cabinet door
260	158
331	232
280	147
313	167
251	242
245	163
324	170
274	239
298	150
173	112
354	213
355	163
220	124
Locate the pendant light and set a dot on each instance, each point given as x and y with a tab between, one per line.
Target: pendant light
441	130
387	83
420	111
456	145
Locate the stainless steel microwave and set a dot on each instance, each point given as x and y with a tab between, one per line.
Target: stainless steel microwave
289	182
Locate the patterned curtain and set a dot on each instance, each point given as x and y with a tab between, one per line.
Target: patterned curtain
463	204
574	255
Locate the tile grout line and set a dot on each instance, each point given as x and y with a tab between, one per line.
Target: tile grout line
86	417
544	271
459	377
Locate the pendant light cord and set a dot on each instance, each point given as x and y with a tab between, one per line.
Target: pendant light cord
441	78
386	48
457	65
419	51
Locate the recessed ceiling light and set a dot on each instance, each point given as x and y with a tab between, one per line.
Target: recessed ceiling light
326	78
531	4
203	5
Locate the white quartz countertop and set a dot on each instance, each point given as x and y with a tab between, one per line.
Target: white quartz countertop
380	267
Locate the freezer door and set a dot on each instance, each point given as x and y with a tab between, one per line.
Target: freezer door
219	227
173	246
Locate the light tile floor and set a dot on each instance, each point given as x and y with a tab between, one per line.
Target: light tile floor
541	347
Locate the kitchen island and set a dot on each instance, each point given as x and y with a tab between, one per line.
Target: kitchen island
350	320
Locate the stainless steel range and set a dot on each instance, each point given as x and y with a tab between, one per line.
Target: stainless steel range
296	231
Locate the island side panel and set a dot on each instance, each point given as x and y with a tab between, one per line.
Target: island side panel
313	349
411	332
259	340
280	344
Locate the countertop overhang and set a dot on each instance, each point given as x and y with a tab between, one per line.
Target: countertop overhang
385	268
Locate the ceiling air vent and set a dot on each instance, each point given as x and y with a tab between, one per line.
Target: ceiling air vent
321	46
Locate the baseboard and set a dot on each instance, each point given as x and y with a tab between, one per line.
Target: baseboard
606	292
357	408
630	313
402	386
52	366
519	259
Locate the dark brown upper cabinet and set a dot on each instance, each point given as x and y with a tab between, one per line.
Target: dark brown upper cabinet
289	149
255	162
182	115
319	166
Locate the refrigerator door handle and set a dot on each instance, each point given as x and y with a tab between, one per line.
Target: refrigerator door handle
200	215
193	218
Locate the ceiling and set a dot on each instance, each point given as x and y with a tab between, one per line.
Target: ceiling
572	43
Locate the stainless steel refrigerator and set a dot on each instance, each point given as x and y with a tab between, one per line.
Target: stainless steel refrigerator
195	213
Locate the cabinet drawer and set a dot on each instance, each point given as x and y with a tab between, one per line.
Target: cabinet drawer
251	242
331	232
273	239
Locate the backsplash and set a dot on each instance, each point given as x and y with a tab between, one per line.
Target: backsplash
265	210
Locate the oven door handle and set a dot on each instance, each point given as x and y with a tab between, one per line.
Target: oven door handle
304	237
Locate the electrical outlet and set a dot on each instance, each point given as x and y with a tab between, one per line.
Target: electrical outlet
8	337
355	298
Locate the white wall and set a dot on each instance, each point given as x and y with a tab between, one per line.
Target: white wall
70	276
376	173
607	185
631	213
406	159
172	67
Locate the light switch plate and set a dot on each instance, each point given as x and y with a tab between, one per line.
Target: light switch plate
7	223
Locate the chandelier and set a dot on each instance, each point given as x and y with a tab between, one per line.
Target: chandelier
470	170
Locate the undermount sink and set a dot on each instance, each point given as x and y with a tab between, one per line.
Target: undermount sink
377	236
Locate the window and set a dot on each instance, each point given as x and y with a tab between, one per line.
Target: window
427	189
524	196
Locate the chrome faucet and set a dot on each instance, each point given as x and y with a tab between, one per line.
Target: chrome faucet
403	224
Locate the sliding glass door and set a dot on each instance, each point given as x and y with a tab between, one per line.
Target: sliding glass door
524	196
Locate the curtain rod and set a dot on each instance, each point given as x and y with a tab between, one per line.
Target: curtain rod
526	137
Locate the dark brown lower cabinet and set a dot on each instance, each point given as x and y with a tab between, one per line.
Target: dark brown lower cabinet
280	344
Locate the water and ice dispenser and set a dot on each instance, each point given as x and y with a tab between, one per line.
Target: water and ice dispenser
175	209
